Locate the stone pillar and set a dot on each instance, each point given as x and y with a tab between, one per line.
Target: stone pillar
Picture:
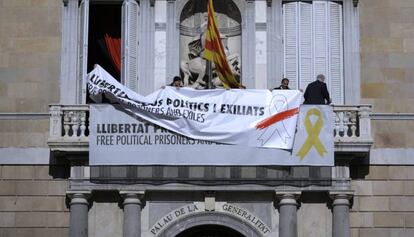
146	37
340	215
69	53
173	45
79	206
274	43
132	213
288	207
249	45
365	122
352	63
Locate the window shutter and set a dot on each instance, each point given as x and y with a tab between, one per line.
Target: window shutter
290	15
129	46
313	44
335	53
305	45
83	50
320	36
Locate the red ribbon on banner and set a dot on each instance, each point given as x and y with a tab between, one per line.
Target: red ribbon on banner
277	117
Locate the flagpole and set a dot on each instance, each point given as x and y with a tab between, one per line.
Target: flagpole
209	74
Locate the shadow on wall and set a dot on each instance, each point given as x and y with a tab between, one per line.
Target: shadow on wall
359	167
58	168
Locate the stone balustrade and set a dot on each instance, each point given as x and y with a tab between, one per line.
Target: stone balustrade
348	120
352	128
69	128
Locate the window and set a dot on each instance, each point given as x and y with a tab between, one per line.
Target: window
104	38
121	20
313	44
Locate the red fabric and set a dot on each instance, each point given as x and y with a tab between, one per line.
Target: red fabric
277	117
113	46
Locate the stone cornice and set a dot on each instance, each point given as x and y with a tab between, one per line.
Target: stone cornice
392	116
24	116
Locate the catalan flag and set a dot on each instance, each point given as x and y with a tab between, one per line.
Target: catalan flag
214	51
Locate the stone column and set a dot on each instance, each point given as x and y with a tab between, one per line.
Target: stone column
132	213
288	207
79	206
340	215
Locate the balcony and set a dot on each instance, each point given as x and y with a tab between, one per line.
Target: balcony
69	129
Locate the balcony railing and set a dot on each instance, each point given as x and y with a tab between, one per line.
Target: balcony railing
69	128
352	128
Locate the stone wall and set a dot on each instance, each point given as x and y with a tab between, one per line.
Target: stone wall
393	133
383	202
387	73
387	54
32	203
29	67
24	133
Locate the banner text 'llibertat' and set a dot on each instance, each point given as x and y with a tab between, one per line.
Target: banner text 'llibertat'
122	128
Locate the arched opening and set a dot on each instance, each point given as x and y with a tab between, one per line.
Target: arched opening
210	231
226	7
193	25
206	224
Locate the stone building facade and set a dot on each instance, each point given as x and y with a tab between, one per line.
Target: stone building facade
48	189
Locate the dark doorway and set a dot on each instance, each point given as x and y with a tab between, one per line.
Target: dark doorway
210	231
104	19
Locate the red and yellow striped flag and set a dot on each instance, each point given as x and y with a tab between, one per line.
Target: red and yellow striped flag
214	51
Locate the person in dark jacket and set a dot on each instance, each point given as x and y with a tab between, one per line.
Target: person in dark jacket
317	92
284	85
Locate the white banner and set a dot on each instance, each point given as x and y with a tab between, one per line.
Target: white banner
120	138
254	118
314	137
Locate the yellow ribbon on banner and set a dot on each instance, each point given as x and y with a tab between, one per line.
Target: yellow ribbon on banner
313	132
